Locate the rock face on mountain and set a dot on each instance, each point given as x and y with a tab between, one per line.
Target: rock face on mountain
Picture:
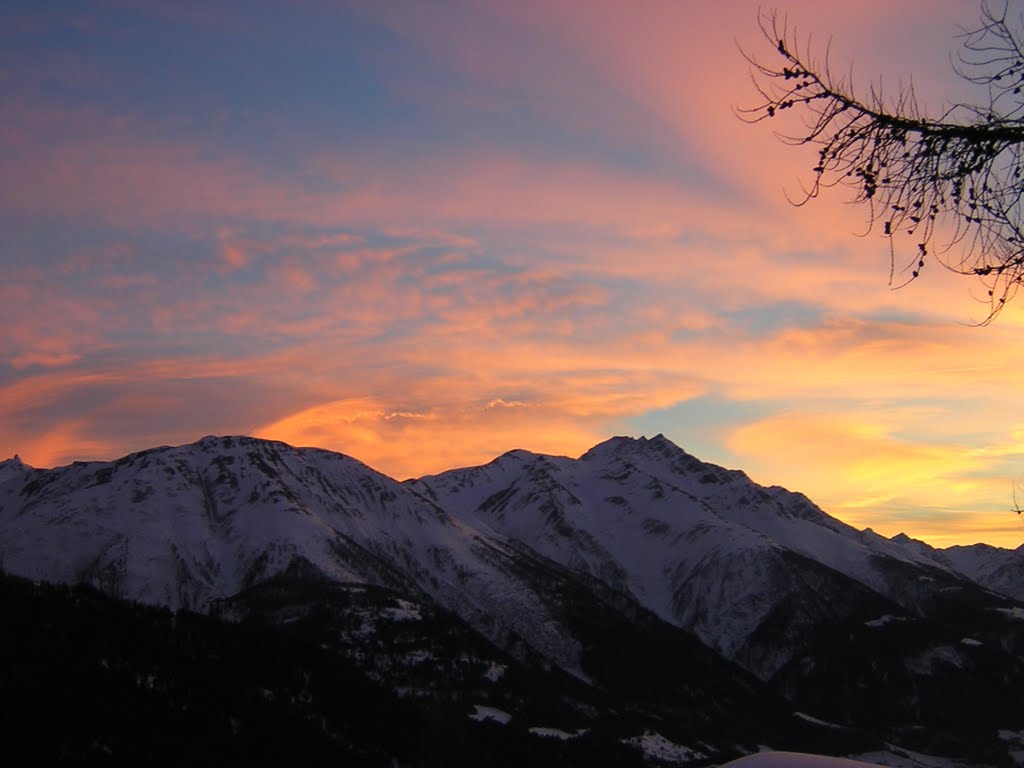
635	569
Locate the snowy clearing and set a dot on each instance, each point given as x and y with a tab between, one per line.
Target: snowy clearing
792	760
897	757
483	713
816	721
555	733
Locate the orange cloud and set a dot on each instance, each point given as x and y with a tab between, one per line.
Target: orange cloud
860	469
61	444
411	444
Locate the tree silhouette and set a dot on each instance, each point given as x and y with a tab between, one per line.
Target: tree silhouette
946	187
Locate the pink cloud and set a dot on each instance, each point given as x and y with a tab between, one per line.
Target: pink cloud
82	162
45	359
233	254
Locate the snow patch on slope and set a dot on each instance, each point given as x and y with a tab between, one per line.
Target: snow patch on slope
657	747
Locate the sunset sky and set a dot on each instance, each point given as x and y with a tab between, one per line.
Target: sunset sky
425	233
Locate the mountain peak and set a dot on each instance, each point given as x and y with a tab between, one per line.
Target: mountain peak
516	454
905	540
226	441
623	445
13	467
663	444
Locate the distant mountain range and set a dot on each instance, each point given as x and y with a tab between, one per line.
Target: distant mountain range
664	594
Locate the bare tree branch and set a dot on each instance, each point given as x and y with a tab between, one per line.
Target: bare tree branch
946	188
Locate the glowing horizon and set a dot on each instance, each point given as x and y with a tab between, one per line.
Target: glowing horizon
424	237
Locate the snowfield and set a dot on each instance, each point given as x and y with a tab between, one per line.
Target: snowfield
792	760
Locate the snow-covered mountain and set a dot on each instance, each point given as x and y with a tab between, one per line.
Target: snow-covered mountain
652	577
703	547
752	571
187	526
